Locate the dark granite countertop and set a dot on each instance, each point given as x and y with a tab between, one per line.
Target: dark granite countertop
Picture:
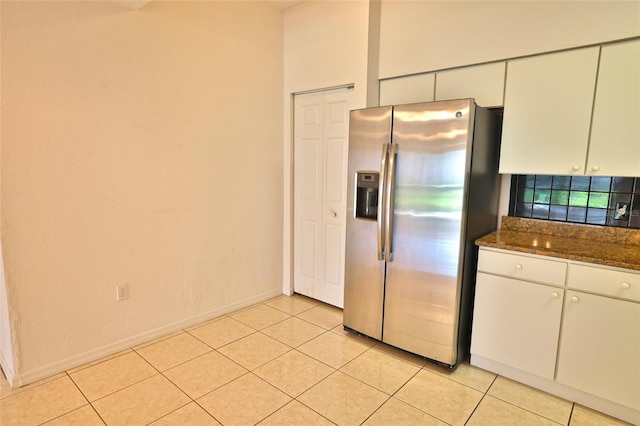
618	247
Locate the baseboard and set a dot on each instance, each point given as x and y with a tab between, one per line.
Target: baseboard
574	395
9	374
25	378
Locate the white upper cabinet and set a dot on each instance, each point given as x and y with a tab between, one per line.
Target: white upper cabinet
547	113
614	149
485	83
407	90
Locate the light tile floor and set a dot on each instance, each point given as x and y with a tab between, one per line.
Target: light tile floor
286	361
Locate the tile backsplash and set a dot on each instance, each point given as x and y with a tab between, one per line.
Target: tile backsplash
597	200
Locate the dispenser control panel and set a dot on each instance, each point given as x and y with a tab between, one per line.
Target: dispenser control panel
367	194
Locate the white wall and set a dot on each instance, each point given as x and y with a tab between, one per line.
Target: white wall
325	45
6	347
419	36
141	148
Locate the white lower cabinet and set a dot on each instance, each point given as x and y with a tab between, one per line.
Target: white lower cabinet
574	332
517	323
600	347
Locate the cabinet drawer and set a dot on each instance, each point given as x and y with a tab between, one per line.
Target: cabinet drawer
608	282
522	267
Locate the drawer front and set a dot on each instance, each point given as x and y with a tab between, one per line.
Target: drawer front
522	267
608	282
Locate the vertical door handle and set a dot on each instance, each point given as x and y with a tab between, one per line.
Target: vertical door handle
381	199
390	193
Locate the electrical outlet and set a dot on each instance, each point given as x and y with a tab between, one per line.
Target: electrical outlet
122	292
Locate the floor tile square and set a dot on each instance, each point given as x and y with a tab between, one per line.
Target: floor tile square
221	332
494	411
400	354
343	399
112	375
333	349
380	370
442	398
260	316
465	374
204	374
244	401
293	331
6	390
83	416
293	372
173	351
295	413
324	316
396	412
293	305
534	400
41	403
189	415
141	403
254	350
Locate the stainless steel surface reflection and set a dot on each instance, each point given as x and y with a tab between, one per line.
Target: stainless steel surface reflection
433	201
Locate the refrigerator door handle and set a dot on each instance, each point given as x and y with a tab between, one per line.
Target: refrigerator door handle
390	181
381	199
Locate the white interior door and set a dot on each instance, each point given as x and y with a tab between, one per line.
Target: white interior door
321	134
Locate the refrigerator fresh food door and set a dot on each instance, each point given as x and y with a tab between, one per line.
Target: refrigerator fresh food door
422	282
369	139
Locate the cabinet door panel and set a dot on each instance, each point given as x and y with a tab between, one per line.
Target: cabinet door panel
547	113
600	347
517	323
614	149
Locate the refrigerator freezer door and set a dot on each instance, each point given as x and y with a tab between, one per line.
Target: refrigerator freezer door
422	284
369	131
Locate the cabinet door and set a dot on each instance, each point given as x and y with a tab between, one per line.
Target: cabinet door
614	149
547	113
600	347
484	83
517	323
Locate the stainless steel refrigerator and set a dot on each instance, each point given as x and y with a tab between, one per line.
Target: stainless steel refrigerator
422	186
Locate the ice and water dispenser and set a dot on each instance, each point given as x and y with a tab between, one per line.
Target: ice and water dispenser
367	194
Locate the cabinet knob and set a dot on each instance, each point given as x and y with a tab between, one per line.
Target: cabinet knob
595	168
518	266
333	213
575	167
625	285
575	299
555	295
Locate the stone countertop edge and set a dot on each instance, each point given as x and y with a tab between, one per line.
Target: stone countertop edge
616	247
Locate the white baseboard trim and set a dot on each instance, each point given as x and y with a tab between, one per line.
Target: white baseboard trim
28	377
574	395
7	369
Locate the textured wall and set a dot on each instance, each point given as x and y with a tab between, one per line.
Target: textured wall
141	148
